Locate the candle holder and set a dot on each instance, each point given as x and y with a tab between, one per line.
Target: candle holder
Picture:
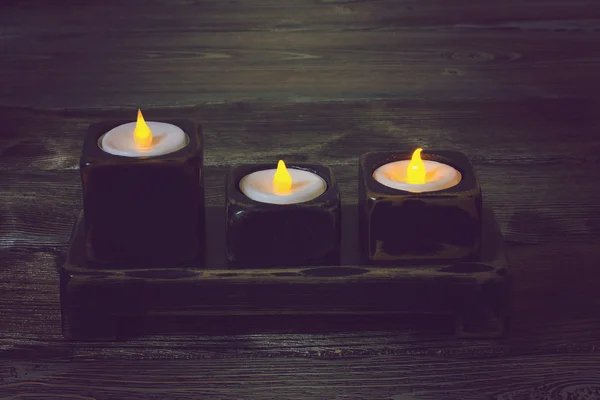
104	303
397	225
271	235
143	210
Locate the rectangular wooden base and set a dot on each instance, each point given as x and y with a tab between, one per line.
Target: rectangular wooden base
474	293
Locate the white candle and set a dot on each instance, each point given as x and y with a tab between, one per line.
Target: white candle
433	175
263	186
163	139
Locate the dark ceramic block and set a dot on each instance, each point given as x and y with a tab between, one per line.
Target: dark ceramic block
397	225
147	210
282	235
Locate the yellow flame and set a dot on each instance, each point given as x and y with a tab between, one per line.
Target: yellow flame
142	135
415	172
282	180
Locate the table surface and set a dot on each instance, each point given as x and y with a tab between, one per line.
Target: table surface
511	83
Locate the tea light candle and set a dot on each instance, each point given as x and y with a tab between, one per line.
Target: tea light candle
141	139
282	185
416	175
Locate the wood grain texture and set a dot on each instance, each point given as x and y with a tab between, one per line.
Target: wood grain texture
335	376
513	84
195	51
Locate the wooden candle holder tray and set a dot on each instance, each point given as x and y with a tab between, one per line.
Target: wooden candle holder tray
473	293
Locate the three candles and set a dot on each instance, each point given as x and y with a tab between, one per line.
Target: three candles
279	216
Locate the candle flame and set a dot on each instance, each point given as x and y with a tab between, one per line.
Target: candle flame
282	180
415	172
142	135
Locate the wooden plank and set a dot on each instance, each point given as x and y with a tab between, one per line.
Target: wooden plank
146	66
333	376
490	132
305	15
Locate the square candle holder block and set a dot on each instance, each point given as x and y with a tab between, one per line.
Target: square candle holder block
398	226
282	235
143	210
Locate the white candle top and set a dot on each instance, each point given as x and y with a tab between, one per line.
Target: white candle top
306	186
438	176
166	138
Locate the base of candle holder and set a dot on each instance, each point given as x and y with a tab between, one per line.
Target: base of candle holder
95	303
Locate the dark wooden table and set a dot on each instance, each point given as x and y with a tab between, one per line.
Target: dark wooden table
513	83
